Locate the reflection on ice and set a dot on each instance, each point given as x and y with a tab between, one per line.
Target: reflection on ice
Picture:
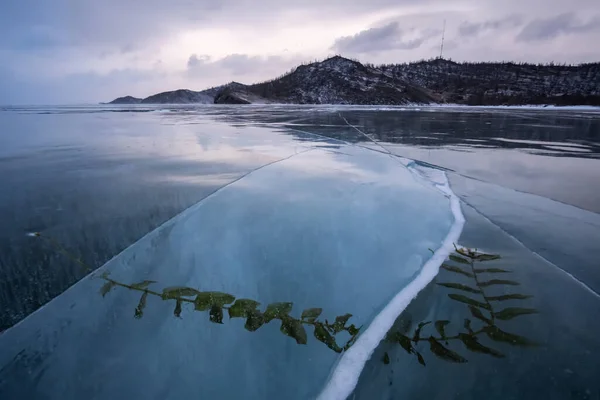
344	231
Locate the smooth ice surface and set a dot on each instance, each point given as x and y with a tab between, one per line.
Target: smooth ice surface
566	236
97	181
564	365
98	178
342	228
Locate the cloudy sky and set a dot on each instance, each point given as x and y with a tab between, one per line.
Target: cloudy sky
85	51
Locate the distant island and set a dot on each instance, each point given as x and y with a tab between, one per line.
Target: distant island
338	80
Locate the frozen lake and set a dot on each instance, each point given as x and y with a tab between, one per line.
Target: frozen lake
337	208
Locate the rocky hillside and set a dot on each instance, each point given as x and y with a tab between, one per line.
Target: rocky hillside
503	83
181	96
338	80
126	100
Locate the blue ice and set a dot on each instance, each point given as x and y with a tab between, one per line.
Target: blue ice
342	228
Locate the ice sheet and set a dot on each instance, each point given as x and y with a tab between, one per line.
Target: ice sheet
565	327
564	235
345	229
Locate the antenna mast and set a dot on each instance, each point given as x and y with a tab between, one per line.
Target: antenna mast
442	46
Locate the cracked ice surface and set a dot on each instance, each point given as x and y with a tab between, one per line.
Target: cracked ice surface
342	228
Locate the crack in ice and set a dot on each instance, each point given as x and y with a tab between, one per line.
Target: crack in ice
571	276
345	376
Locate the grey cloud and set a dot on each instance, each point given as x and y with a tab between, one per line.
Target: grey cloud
117	22
105	54
128	48
368	40
469	29
550	28
240	65
88	23
194	61
386	37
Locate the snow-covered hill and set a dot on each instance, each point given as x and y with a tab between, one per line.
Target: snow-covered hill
126	100
181	96
338	80
503	83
